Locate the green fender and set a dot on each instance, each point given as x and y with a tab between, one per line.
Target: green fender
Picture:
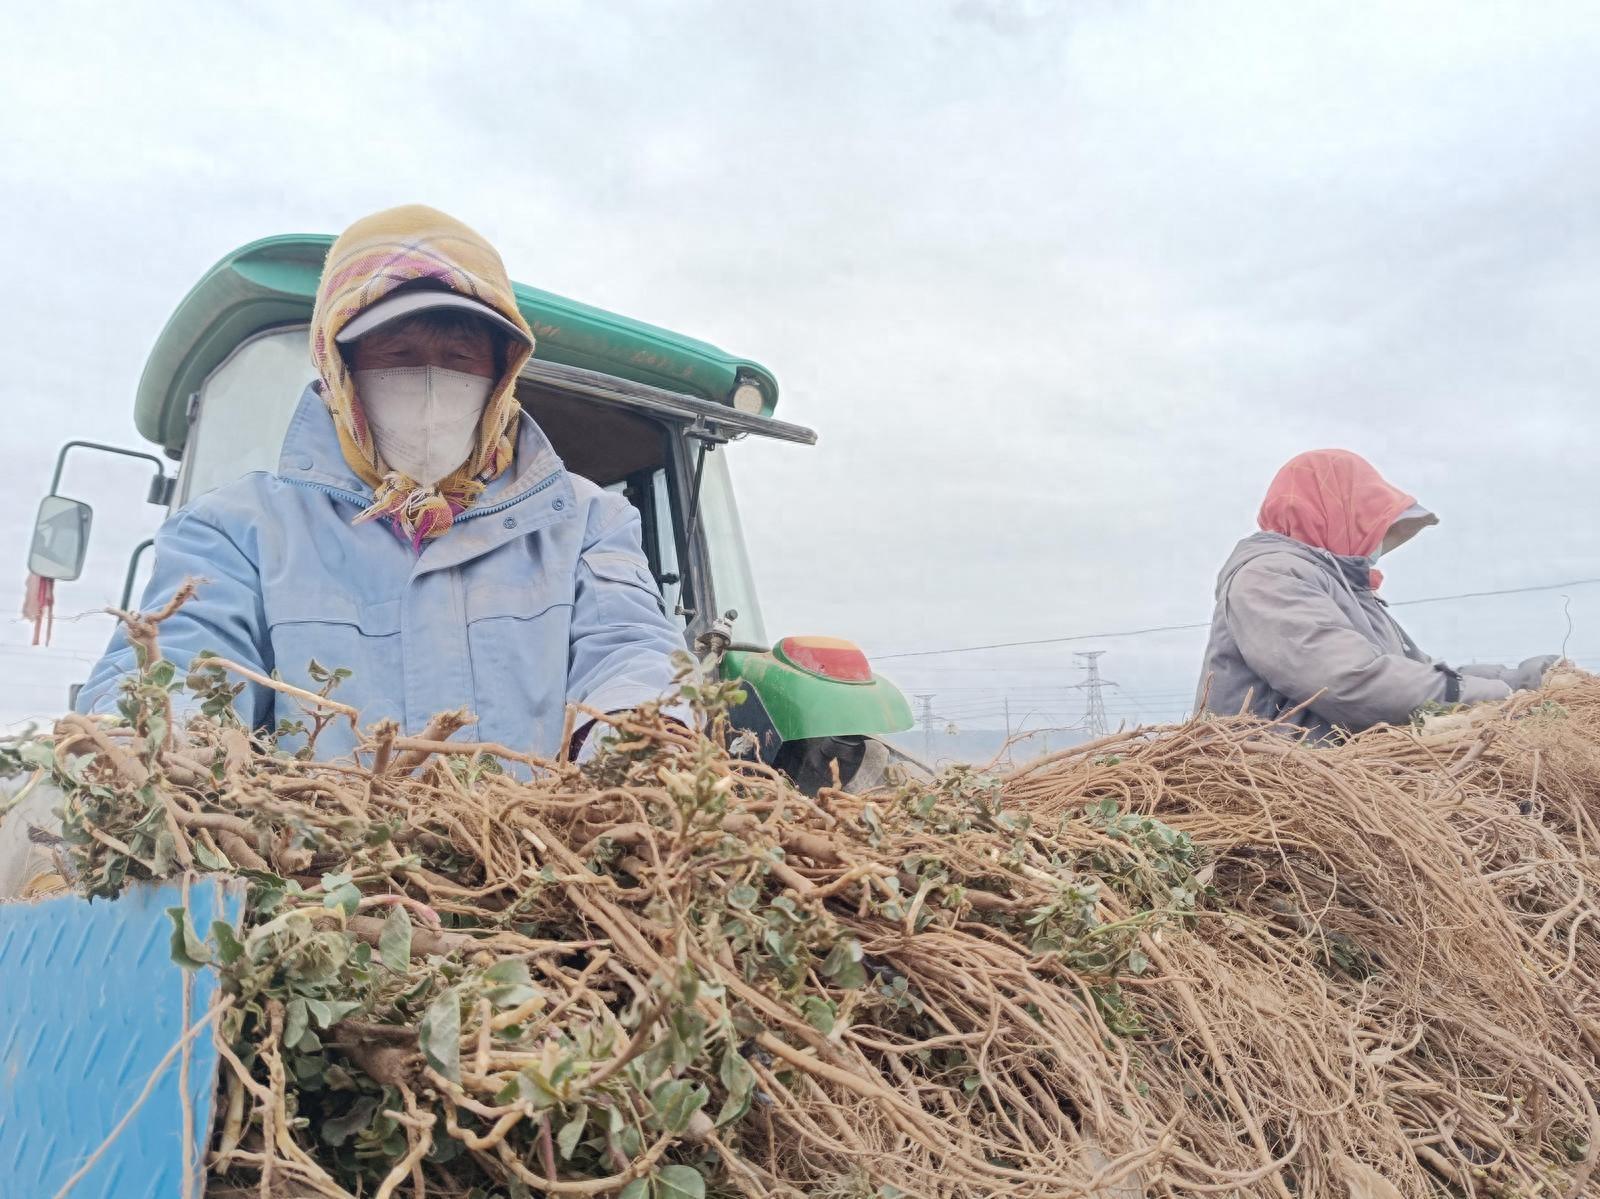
803	705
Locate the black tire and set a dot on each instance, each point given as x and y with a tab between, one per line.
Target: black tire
863	763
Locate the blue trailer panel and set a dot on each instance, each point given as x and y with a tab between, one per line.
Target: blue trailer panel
90	1003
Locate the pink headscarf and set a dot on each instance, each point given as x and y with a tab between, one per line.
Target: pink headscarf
1333	500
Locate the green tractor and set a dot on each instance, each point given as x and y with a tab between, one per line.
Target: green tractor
636	409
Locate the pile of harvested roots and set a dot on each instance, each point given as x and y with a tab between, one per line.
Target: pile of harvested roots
1192	961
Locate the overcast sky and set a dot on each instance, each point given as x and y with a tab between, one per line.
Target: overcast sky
1060	286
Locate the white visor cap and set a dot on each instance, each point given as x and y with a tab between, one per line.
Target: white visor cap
415	300
1406	526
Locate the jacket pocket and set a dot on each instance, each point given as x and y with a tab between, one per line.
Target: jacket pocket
517	636
515	601
621	583
337	633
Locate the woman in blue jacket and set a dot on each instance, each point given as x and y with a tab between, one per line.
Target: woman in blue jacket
419	529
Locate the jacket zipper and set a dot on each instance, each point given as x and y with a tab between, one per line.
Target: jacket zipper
547	481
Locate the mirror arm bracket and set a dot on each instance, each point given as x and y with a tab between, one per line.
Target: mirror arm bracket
161	486
709	433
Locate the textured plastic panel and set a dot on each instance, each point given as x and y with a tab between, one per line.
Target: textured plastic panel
90	1002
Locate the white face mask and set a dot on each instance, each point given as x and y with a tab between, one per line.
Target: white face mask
424	419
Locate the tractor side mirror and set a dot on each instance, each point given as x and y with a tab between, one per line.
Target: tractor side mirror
60	538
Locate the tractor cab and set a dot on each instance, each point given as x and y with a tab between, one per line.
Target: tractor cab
636	409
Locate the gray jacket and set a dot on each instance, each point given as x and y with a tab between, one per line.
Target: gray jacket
1292	620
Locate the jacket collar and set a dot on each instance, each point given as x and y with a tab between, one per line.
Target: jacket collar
311	454
1355	572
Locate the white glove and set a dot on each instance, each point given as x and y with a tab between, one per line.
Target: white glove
1529	674
1475	690
588	740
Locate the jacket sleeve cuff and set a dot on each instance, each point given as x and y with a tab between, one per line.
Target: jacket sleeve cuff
622	700
623	696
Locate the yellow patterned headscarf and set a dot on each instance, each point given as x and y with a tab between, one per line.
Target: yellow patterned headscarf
374	257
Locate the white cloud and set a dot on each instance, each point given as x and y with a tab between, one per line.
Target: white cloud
1060	287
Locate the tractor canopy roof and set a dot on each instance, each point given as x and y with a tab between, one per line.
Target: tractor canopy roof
273	282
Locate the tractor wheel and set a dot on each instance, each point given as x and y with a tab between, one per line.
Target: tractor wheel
863	764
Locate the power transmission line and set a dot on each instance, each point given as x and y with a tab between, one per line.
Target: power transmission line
970	649
1177	628
1437	599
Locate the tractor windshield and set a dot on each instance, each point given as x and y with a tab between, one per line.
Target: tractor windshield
245	407
247	402
651	461
730	565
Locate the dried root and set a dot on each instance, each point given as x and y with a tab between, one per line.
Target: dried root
1192	961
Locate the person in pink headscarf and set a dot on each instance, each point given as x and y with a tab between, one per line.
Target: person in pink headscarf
1299	633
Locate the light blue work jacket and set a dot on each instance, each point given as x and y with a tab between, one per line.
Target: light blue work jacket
538	595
